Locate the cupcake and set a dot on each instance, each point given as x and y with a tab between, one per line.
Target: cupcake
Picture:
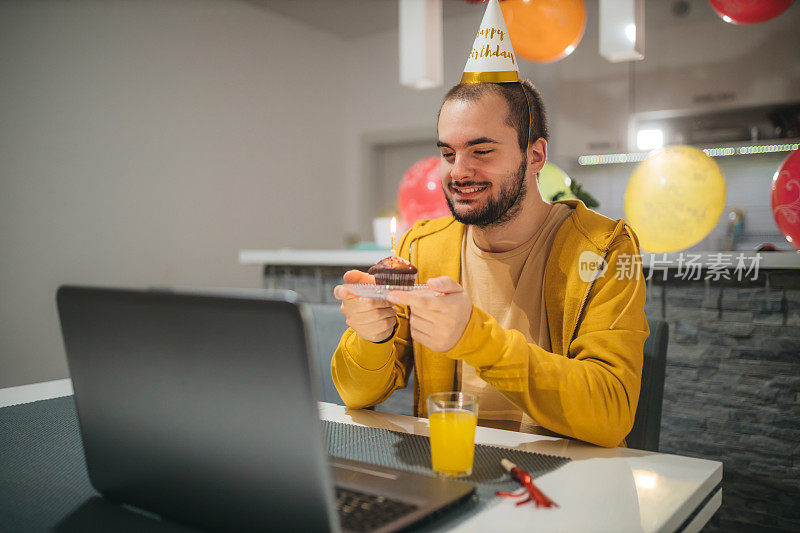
393	271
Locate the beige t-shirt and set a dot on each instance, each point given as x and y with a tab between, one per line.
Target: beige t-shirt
509	286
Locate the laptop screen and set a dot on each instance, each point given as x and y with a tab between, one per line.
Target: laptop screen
198	406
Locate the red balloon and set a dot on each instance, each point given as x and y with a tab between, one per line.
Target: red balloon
786	198
749	11
420	195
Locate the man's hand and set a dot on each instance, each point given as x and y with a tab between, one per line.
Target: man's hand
372	320
437	321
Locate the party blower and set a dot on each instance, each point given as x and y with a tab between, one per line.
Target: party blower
526	480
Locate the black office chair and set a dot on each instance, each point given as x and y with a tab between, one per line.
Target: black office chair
327	328
329	324
647	424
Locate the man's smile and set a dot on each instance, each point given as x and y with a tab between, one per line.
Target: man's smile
467	191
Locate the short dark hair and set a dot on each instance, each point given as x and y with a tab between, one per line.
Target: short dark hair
518	112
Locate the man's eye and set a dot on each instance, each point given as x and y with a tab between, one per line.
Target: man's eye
483	152
448	155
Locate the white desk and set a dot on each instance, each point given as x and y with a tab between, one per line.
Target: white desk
600	490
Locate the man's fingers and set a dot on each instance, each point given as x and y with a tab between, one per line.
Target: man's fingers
418	323
372	330
358	322
422	338
407	298
375	312
365	304
425	321
356	276
398	298
445	284
340	292
422	304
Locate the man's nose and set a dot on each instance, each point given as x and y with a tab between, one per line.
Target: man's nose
462	168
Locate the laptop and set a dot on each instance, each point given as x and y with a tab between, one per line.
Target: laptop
200	407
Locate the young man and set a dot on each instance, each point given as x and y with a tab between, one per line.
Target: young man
530	314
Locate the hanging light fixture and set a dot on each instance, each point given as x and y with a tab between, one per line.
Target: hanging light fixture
622	30
421	43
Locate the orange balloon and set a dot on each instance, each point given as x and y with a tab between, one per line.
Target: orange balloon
544	30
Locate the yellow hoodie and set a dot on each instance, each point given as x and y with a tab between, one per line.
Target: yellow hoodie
586	388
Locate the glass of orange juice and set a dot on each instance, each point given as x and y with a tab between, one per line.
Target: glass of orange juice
453	417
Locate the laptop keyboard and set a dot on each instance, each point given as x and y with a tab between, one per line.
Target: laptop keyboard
364	512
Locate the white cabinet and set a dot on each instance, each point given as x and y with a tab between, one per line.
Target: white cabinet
592	117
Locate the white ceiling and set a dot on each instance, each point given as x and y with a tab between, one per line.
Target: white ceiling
350	19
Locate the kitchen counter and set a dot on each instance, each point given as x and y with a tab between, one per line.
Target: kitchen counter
359	258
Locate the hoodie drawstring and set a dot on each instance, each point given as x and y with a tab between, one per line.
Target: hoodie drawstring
627	229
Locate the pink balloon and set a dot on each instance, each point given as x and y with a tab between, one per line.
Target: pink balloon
420	195
786	198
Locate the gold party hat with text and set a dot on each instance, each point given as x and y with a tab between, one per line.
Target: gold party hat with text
492	57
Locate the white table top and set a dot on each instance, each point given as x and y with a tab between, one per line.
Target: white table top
602	489
616	489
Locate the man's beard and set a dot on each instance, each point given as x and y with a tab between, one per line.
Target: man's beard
497	211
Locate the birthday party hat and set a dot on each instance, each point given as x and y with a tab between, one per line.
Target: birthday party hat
492	57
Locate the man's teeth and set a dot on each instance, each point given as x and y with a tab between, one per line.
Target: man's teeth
468	189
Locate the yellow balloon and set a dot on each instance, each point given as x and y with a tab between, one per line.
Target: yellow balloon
674	198
553	180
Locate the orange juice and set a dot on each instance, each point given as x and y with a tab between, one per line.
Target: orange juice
453	441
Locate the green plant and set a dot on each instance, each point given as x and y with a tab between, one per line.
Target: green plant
577	189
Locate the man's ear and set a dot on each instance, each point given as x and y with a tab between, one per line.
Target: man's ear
537	155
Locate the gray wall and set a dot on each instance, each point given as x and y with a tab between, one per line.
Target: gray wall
147	143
